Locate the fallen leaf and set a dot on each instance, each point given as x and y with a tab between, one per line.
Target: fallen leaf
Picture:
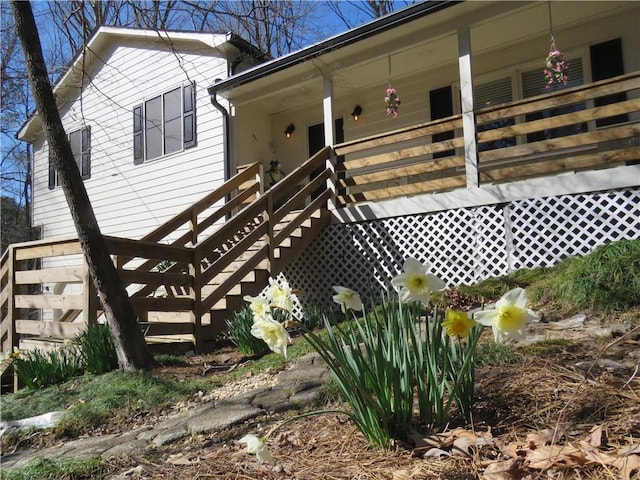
506	470
628	465
597	437
436	453
560	457
544	437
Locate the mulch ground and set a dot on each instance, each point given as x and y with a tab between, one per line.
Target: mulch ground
557	416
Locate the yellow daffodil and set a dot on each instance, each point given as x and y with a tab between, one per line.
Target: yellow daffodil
258	446
509	317
259	306
415	284
347	298
273	333
458	323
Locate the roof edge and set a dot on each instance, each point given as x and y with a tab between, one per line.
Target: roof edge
338	41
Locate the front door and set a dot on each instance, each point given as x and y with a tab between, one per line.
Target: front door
315	134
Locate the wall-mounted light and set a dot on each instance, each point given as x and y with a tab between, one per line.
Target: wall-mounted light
289	130
357	111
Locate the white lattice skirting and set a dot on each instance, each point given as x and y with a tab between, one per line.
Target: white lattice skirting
465	245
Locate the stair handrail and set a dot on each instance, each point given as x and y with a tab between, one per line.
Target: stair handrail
191	213
262	208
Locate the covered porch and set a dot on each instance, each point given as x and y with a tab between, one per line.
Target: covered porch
475	110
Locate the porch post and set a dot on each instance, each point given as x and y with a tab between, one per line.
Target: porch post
468	115
328	111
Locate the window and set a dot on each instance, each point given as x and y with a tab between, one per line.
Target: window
493	93
164	124
606	62
80	141
533	83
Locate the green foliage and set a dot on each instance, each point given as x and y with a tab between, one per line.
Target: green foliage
491	353
606	280
379	361
122	393
90	400
314	315
97	349
493	288
36	369
240	330
57	469
169	360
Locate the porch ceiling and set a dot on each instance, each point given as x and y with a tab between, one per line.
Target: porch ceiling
420	45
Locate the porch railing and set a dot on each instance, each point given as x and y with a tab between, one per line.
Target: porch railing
585	127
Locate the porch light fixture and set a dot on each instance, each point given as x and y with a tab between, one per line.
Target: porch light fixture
357	111
289	130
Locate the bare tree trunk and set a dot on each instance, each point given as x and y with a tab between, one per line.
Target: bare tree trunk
128	338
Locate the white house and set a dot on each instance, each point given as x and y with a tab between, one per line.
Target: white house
484	169
145	134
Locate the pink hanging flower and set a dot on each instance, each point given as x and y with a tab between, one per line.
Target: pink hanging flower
392	102
556	71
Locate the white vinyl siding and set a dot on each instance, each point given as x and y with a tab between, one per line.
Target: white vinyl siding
131	200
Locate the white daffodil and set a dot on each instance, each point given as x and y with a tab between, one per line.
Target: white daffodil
273	333
347	298
259	306
258	446
279	294
415	284
509	317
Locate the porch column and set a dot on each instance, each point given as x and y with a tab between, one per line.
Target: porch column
468	115
328	111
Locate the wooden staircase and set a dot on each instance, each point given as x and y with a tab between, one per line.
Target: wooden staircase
187	276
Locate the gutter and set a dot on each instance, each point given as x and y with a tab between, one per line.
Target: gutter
342	40
225	127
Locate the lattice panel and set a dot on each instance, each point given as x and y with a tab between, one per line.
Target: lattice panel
462	246
544	231
465	245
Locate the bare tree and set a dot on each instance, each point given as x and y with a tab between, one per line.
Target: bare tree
131	348
354	12
15	165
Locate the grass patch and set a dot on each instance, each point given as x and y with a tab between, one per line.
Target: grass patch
606	280
552	346
490	353
121	393
94	399
170	360
57	469
493	288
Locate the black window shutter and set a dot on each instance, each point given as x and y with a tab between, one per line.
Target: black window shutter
189	115
606	62
52	173
85	163
441	101
138	135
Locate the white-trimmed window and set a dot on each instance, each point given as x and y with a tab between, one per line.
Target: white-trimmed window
533	83
80	141
493	93
165	124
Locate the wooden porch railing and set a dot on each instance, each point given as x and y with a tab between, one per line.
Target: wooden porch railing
550	133
200	243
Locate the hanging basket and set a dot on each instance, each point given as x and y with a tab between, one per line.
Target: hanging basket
392	102
555	72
